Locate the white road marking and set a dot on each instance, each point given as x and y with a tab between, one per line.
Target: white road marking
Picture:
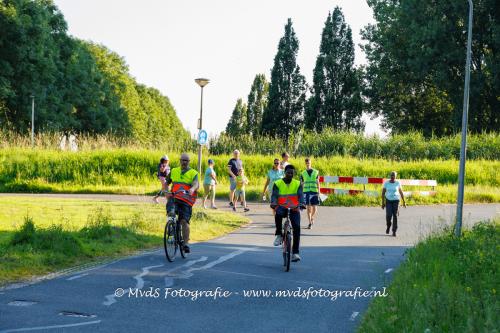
49	327
387	271
77	277
145	271
353	316
189	273
110	299
169	280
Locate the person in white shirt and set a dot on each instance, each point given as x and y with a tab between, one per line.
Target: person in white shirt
391	194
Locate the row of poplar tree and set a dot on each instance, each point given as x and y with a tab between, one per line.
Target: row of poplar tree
414	75
77	85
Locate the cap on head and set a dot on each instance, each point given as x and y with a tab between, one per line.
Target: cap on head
210	161
164	158
236	151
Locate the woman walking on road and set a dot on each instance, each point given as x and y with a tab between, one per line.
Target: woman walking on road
391	194
272	175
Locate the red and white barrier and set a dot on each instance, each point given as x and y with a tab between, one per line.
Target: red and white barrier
373	180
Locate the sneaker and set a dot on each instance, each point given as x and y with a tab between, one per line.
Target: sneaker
295	257
187	249
278	240
394	234
234	209
155	200
246	209
231	204
387	230
213	207
309	226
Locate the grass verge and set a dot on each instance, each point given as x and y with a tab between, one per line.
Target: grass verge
447	284
43	235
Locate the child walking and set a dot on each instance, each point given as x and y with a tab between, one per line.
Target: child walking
241	181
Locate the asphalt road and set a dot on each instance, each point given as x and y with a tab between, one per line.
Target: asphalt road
222	285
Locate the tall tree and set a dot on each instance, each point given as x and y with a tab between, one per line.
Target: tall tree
336	93
416	61
256	103
237	124
287	91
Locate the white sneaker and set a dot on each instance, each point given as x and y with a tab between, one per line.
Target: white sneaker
295	257
278	240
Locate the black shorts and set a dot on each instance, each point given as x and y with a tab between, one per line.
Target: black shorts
182	210
311	198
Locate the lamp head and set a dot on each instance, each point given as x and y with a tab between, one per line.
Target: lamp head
202	82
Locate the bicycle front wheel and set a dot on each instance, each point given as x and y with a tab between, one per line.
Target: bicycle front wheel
169	241
288	251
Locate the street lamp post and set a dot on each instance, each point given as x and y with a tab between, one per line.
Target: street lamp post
32	121
202	83
463	145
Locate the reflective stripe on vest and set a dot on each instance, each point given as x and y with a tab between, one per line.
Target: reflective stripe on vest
183	182
310	182
288	196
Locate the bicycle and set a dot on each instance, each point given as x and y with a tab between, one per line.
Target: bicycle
172	236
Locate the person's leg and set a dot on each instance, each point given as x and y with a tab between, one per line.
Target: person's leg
170	207
314	210
244	200
395	206
185	212
388	215
309	214
278	220
295	219
232	188
212	196
206	190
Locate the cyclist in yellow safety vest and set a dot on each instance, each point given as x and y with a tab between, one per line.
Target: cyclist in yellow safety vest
310	181
185	183
287	193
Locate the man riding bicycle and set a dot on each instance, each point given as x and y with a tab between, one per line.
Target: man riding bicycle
185	183
287	193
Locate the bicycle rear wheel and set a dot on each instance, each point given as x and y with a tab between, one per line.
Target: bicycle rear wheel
169	241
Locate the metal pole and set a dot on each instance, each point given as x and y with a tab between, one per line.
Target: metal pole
463	146
199	128
32	121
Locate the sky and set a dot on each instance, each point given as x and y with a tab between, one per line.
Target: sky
167	44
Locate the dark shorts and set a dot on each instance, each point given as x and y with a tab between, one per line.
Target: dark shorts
182	210
311	198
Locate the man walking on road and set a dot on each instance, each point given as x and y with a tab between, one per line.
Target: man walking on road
310	181
233	166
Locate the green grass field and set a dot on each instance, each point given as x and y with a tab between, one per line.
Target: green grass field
445	285
130	171
42	235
